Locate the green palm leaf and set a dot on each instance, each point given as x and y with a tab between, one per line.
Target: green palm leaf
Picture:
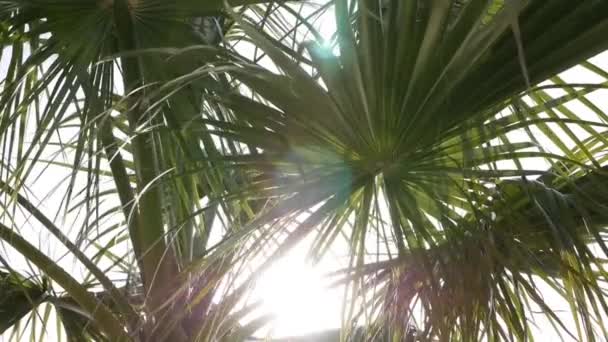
411	125
19	296
207	141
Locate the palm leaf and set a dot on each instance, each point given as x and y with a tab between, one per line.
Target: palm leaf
19	296
417	120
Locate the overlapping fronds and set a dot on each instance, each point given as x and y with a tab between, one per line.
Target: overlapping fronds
202	141
400	134
138	213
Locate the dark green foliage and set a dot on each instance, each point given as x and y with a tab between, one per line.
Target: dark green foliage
18	296
417	137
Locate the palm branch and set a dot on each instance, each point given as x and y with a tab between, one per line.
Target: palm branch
393	141
398	136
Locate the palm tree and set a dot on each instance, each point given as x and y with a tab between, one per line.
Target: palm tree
419	133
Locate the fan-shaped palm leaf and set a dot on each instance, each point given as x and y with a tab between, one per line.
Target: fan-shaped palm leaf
407	120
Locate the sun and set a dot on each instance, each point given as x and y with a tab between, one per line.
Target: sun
297	294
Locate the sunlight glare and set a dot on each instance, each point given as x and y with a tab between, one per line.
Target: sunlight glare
295	292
